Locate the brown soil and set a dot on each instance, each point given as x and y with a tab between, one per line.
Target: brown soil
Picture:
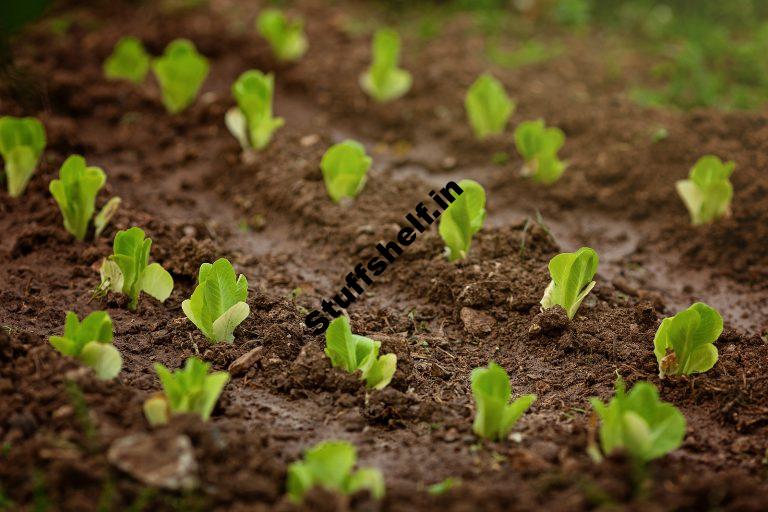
184	181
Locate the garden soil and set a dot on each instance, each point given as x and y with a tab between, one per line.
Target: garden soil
184	180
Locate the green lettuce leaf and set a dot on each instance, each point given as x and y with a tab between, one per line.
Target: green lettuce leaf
285	36
75	192
218	304
344	167
128	61
251	122
684	343
572	274
495	415
488	106
462	219
191	389
384	81
639	423
127	270
90	341
22	141
357	353
180	71
329	465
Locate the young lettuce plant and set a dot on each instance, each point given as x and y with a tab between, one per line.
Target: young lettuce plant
462	219
285	36
217	305
538	146
344	167
495	414
329	465
488	106
188	391
638	423
707	192
75	192
384	81
129	61
22	140
572	274
357	353
180	71
684	343
90	341
251	122
128	269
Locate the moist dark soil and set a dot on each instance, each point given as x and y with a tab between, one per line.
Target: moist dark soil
184	180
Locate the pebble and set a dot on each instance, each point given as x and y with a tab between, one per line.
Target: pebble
246	361
157	459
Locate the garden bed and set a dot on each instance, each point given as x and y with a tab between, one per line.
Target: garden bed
184	180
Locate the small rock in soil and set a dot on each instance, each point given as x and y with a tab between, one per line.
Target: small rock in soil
476	322
158	459
244	362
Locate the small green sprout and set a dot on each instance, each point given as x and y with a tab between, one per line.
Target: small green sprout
443	486
357	353
538	146
572	274
488	106
251	122
707	192
217	305
90	341
75	192
639	423
129	61
329	465
128	270
659	134
344	167
285	36
492	391
188	391
180	71
384	81
462	219
684	343
22	140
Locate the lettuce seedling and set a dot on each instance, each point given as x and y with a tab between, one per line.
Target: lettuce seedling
444	486
90	341
684	343
251	122
639	423
344	167
495	414
188	391
128	270
538	146
285	36
462	219
22	140
217	305
384	81
180	71
572	274
707	192
75	191
357	353
329	465
129	61
488	106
